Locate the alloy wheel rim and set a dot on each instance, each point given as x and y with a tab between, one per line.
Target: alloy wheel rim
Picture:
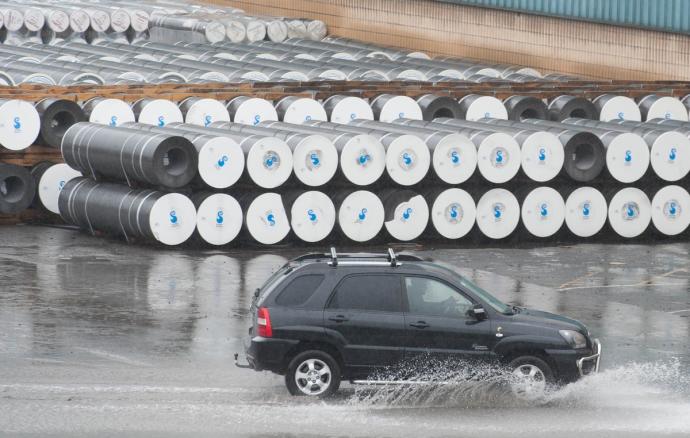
529	382
313	377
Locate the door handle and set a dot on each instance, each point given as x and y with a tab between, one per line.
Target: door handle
419	325
339	318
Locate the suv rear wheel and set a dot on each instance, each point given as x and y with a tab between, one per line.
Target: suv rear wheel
530	378
313	373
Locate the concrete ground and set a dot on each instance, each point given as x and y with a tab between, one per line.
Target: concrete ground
102	338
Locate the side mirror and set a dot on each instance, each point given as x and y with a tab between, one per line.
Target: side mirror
477	312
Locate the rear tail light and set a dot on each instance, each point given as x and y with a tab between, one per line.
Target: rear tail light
263	320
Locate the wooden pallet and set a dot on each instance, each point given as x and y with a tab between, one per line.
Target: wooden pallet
32	215
31	156
324	89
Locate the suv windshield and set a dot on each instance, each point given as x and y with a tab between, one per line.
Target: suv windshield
485	296
480	293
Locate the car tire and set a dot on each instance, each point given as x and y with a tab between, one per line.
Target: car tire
313	373
531	377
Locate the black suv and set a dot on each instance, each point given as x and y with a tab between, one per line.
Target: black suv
322	318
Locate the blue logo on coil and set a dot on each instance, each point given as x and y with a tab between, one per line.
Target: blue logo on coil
455	157
672	155
113	121
672	210
222	160
17	123
207	120
544	210
363	158
161	121
312	215
173	217
362	215
257	119
407	159
628	156
586	209
631	210
271	219
406	214
315	161
542	154
499	157
219	217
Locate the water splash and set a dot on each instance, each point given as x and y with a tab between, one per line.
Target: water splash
633	384
439	383
471	386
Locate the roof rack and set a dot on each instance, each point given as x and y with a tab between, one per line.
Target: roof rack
389	257
311	256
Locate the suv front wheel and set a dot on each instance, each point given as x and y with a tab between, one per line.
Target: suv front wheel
313	373
531	377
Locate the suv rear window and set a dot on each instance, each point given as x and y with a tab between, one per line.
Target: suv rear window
368	292
299	290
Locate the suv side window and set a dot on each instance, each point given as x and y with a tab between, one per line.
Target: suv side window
299	290
379	293
426	296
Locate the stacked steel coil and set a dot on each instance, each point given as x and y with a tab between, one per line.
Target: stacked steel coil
112	61
252	169
543	177
124	20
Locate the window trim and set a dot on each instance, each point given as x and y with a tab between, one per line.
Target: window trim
400	311
406	304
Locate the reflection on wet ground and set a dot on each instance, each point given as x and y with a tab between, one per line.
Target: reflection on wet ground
102	336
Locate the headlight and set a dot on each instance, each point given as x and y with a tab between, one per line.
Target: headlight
573	338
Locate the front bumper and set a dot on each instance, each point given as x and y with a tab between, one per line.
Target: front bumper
590	364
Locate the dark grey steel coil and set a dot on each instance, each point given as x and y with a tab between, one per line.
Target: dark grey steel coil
128	155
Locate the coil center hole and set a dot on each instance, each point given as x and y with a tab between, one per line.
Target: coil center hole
12	188
61	122
444	112
529	114
584	156
174	161
578	113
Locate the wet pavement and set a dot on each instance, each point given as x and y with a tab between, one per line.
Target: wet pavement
98	337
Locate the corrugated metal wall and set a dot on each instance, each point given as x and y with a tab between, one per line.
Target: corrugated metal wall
667	15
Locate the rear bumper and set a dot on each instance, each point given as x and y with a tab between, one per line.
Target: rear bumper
268	353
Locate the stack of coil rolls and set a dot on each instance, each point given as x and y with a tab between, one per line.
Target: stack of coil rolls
425	168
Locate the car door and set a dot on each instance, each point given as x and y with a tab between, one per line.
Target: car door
437	322
364	314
